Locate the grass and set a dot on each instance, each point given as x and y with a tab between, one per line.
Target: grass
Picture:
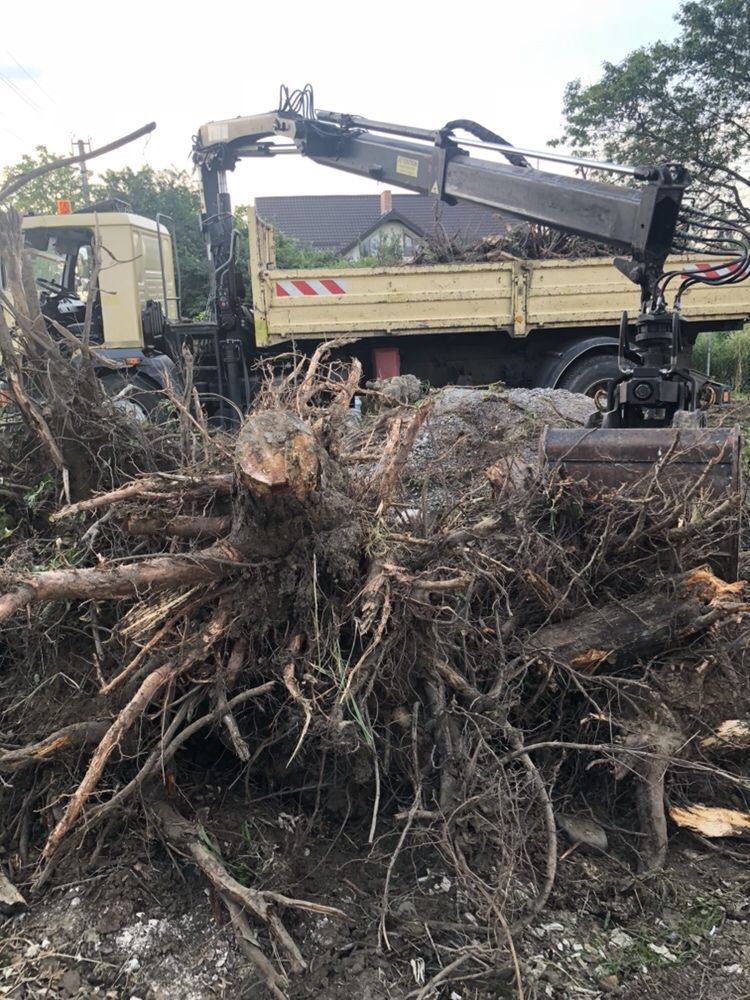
680	939
730	357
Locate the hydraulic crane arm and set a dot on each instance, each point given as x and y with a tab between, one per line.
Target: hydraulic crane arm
637	221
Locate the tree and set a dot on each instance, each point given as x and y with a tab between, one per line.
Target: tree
686	101
176	194
39	195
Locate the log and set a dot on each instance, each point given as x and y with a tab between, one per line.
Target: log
619	632
276	453
732	734
711	821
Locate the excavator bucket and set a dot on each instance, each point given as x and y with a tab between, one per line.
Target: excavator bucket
692	465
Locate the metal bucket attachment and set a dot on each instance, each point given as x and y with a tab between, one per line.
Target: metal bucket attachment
694	464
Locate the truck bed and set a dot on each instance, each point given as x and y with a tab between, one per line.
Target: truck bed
514	296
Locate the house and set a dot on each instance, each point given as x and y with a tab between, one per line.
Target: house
372	225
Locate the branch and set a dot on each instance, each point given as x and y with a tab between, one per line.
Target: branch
18	182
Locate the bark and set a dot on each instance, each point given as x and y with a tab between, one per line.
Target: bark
618	632
122	580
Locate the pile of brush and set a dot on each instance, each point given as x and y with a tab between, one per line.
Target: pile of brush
524	242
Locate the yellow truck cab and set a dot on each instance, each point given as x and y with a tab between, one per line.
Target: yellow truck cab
138	284
137	269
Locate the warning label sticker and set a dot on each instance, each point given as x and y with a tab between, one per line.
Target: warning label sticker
407	166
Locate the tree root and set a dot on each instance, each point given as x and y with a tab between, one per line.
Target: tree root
153	683
68	738
180	526
159	573
656	745
241	900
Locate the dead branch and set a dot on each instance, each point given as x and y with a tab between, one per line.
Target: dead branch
157	488
180	526
16	183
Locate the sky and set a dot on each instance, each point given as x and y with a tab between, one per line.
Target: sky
98	70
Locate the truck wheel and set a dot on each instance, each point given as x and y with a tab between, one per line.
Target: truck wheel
590	376
136	396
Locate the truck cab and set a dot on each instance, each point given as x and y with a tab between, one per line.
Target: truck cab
138	282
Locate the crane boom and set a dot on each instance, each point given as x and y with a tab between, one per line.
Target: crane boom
638	221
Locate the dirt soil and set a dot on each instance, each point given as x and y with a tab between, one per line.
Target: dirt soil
142	925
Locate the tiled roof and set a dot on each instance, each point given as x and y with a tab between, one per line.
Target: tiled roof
335	222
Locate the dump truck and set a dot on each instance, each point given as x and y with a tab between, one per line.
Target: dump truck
552	323
525	322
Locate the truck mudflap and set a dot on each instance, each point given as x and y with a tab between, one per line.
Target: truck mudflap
691	465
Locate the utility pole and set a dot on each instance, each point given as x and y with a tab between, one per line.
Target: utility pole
79	147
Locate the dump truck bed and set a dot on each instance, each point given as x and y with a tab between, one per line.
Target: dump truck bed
514	296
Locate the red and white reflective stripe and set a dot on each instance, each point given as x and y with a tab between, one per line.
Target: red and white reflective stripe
708	270
313	286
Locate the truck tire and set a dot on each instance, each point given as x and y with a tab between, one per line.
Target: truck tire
590	375
143	402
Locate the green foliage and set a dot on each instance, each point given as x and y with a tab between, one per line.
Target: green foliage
6	525
388	249
40	194
36	496
730	357
658	945
685	101
290	253
176	194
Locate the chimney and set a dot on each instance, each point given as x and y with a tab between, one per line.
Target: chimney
386	202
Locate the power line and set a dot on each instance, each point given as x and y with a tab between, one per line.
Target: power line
14	134
36	83
19	93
